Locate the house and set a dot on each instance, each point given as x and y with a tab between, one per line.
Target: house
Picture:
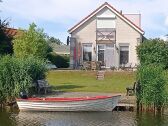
60	49
11	31
106	35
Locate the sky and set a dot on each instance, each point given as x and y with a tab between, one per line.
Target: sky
57	16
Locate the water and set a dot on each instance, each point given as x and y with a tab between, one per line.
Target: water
81	119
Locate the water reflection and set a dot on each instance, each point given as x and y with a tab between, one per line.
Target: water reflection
75	119
81	119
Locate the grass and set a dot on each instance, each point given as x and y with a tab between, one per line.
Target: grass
85	81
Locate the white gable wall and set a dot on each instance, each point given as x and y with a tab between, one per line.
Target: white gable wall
86	33
127	34
105	12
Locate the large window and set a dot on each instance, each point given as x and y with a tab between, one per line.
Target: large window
87	52
124	54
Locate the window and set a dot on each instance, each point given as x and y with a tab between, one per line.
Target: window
105	23
124	54
87	52
101	48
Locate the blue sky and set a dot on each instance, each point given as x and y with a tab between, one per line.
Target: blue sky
57	16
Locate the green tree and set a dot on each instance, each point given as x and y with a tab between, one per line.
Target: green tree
54	40
31	42
5	39
153	51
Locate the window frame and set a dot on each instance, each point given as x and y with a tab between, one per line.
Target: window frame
84	44
124	45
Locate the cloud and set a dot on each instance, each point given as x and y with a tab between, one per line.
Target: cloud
69	12
166	21
50	10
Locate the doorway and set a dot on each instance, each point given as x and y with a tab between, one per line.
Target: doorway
105	54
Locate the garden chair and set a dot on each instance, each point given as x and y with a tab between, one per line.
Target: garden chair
131	89
93	65
98	65
42	84
128	66
86	65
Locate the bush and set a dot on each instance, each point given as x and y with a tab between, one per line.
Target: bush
59	60
153	51
36	68
17	75
152	85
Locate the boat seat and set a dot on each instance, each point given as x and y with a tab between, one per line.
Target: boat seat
43	84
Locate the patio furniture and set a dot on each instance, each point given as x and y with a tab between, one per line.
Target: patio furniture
127	66
93	65
113	68
135	67
100	65
131	89
43	84
86	65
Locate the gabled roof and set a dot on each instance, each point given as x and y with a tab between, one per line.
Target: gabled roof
114	11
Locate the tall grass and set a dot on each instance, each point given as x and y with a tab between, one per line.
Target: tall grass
151	93
18	74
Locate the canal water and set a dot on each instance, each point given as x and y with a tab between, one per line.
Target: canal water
81	119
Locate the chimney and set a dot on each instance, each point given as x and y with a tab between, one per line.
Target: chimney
121	11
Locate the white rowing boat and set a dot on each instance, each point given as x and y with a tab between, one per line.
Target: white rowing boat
98	103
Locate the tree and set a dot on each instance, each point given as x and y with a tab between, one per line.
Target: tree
31	42
54	40
5	39
153	51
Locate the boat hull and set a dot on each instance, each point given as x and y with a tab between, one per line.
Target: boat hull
98	104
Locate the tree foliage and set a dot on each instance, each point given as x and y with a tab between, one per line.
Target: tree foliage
5	39
153	51
31	42
54	40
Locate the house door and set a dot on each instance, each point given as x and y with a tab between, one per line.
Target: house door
106	54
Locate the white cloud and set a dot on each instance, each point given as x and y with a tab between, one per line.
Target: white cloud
50	10
64	10
163	37
166	21
69	12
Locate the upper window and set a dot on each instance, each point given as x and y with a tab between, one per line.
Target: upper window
87	52
105	23
124	54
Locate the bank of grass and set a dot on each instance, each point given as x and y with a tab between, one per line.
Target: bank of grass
85	81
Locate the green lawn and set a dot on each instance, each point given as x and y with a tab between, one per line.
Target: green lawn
85	81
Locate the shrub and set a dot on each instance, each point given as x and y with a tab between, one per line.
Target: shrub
36	68
61	61
153	51
18	74
152	85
